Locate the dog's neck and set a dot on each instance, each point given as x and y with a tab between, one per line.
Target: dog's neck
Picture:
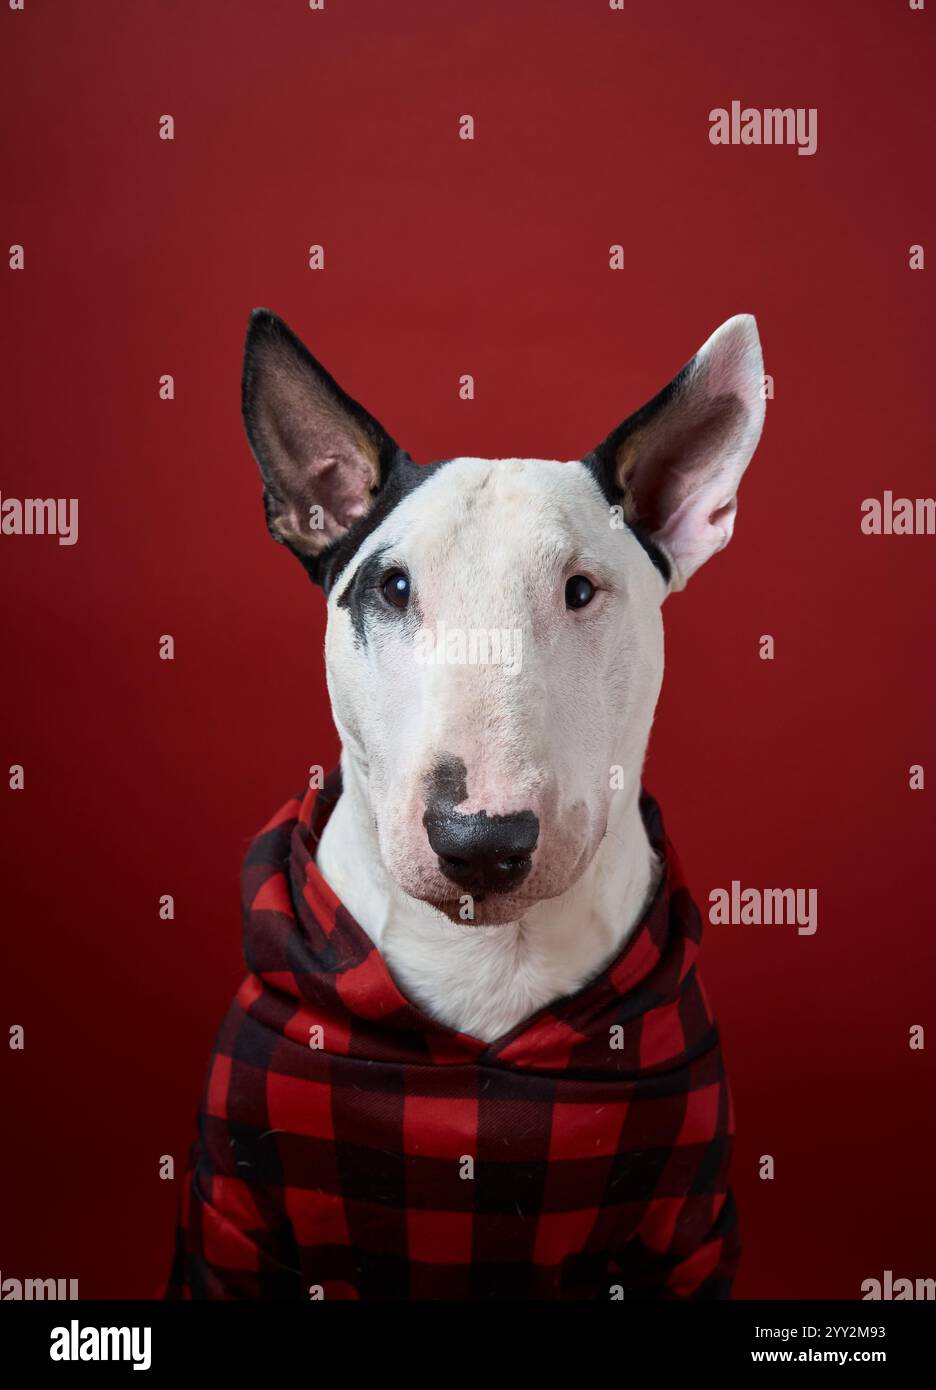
485	980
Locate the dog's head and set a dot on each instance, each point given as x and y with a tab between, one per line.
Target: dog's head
494	648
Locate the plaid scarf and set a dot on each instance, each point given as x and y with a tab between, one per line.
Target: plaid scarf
351	1147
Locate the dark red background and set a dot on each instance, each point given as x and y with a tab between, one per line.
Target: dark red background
146	777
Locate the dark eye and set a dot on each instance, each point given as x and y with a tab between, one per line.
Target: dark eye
396	588
579	591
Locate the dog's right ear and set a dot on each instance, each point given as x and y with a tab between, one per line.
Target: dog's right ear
322	457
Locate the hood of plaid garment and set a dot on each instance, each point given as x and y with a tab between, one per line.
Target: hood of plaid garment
318	979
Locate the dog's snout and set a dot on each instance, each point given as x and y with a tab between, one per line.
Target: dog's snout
482	853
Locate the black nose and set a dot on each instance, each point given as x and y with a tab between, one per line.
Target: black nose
482	853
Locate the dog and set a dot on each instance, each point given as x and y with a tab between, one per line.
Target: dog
474	778
473	1057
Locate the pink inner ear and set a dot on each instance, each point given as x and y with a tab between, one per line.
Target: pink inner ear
317	456
340	483
699	527
683	455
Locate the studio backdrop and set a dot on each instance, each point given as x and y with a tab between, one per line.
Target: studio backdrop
560	200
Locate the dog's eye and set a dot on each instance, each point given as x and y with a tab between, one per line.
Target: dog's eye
396	588
579	591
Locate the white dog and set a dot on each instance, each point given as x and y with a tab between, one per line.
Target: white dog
488	836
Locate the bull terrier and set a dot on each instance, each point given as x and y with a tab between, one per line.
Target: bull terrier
488	837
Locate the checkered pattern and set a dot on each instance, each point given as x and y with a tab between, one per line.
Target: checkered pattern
350	1147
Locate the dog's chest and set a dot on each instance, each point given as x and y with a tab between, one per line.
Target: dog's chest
483	981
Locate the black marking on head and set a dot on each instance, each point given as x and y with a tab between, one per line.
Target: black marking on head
365	603
360	591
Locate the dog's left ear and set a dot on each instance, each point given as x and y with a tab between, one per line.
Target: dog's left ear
322	457
676	464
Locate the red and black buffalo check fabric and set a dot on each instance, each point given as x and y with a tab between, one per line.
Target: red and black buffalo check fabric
352	1148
